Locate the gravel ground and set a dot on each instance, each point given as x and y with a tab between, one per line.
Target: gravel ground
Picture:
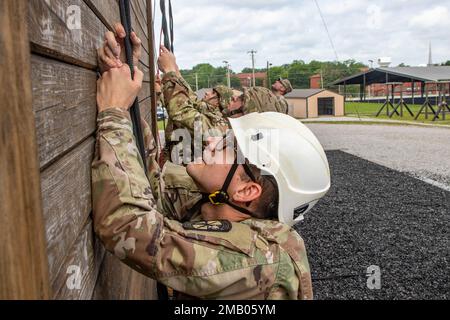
422	152
377	216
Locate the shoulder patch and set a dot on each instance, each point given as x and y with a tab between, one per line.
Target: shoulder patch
209	226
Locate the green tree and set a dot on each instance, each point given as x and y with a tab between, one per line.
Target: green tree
250	70
298	72
235	83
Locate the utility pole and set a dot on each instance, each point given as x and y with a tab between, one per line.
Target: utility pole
253	52
268	74
430	56
196	81
227	65
321	78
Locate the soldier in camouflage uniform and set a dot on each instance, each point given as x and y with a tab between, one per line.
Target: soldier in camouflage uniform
241	257
184	106
280	88
185	110
260	99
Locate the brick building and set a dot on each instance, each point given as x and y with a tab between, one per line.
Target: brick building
247	78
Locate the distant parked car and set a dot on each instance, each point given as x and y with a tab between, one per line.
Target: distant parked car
161	113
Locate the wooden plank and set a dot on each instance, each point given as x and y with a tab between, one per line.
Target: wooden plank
144	94
64	101
109	13
146	71
137	27
52	34
117	281
145	107
23	263
142	7
66	196
77	278
141	20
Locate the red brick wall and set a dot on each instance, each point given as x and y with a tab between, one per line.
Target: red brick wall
315	82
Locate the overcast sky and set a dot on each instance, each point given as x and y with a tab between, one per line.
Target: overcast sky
285	30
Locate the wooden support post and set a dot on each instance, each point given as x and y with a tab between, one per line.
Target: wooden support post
401	104
364	89
387	103
23	263
443	106
361	92
345	91
427	104
152	70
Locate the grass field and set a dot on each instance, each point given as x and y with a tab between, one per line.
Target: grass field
369	110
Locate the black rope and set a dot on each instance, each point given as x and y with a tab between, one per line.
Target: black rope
171	25
168	43
167	26
135	113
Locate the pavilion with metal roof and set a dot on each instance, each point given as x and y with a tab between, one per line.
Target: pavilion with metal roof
432	74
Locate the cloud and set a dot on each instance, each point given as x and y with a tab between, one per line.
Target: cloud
286	30
436	17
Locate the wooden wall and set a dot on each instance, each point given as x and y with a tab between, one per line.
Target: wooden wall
23	262
63	63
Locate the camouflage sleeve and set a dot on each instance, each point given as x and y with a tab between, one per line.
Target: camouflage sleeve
182	104
284	108
174	191
202	264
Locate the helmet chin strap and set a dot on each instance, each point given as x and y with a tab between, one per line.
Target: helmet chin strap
222	197
235	112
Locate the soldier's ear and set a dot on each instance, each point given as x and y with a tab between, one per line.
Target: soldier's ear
247	192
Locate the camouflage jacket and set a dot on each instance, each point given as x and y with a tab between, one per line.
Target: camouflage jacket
260	99
184	107
254	259
283	105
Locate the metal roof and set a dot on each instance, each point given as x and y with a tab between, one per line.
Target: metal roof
303	93
399	74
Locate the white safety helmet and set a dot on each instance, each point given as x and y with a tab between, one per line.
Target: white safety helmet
283	147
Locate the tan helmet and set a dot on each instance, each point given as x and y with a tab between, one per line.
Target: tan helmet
286	84
225	94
